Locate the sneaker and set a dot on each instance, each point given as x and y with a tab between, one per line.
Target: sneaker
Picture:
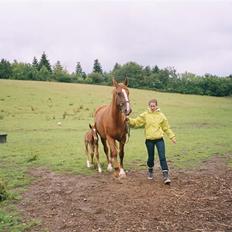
166	177
150	174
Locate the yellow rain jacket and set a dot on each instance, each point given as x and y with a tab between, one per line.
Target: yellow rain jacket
155	124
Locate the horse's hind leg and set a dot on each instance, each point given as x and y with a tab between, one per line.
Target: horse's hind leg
91	154
87	154
106	150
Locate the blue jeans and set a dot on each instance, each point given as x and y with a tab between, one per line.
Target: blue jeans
159	143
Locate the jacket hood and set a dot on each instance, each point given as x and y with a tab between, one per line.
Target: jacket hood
149	110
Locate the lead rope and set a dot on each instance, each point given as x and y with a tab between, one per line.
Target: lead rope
127	130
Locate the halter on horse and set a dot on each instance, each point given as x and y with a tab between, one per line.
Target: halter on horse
110	121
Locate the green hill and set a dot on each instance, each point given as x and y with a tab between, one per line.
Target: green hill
46	122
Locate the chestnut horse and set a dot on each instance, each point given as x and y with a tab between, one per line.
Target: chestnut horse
110	121
91	147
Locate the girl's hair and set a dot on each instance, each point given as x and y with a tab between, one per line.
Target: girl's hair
153	101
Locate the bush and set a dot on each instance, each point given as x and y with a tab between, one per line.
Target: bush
96	78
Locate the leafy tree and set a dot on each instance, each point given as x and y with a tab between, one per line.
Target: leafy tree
97	67
84	76
164	78
34	74
57	68
95	78
5	69
152	81
25	71
45	62
21	71
44	74
59	73
171	72
133	71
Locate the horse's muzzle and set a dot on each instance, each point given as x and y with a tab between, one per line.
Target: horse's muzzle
127	112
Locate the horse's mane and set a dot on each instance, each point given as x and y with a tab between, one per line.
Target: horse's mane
100	107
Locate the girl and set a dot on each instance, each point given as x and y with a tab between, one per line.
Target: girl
155	124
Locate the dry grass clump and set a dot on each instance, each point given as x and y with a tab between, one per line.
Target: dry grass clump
3	192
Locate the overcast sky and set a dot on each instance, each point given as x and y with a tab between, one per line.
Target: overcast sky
194	36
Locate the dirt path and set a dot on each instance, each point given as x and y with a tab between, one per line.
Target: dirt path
197	200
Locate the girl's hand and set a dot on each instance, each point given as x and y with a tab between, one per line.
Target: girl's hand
174	140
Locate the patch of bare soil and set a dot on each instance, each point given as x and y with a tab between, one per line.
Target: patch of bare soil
196	200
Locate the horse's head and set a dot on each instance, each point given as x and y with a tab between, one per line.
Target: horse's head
121	93
94	132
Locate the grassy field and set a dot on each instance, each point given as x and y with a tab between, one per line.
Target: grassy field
30	112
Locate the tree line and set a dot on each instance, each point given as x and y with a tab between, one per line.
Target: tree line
155	78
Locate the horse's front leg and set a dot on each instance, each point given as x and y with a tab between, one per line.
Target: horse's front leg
113	154
121	156
106	150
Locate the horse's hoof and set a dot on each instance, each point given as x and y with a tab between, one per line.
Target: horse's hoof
116	175
122	176
122	173
109	168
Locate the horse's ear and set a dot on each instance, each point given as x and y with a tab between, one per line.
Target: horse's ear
126	81
115	83
90	126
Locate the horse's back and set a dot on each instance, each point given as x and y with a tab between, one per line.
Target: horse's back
100	117
100	109
100	113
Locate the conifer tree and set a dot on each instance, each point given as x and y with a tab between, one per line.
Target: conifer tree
116	66
45	62
79	69
35	63
155	69
147	71
97	67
